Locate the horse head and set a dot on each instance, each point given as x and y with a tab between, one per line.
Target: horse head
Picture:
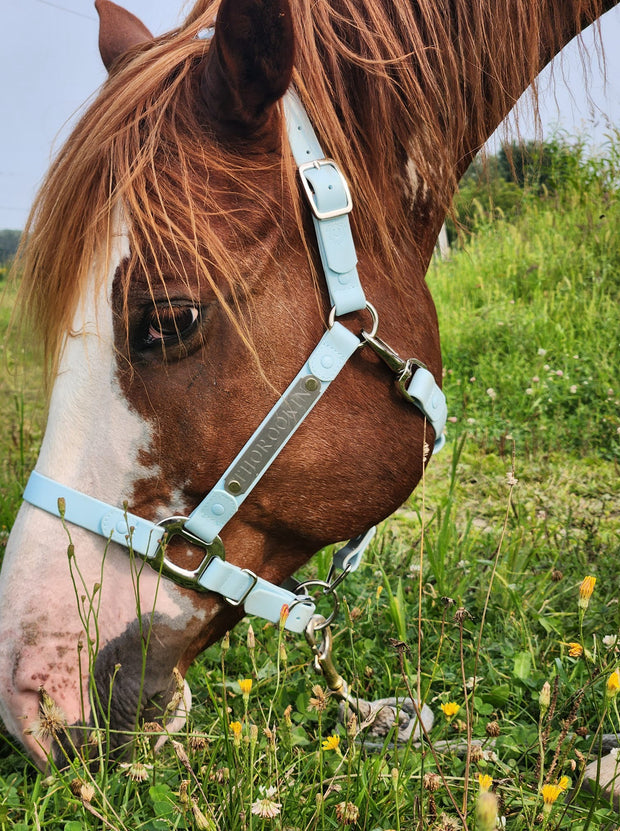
174	278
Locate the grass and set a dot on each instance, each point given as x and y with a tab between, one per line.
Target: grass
485	561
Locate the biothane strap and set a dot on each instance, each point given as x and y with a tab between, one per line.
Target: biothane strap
237	585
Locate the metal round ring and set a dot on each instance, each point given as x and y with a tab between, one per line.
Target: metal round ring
327	589
375	320
373	314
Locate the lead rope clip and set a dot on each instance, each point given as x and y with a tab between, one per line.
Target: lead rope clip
378	716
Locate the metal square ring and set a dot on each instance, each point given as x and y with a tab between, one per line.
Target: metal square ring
188	578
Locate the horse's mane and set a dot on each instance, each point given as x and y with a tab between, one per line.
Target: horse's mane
382	81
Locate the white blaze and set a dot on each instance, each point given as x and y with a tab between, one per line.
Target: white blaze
92	443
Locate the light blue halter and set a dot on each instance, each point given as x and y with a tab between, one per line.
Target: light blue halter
330	201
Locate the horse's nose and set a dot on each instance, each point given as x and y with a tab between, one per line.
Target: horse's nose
35	703
21	713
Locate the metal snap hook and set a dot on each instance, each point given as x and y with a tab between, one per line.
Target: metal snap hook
323	655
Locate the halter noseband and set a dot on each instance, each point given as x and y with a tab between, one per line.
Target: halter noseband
329	198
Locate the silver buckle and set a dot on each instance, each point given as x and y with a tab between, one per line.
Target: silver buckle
188	578
317	164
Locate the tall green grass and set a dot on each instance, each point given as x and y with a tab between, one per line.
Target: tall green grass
529	319
485	561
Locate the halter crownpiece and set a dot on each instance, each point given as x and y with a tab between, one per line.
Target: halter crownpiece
330	201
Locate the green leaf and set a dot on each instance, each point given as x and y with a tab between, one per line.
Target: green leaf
522	665
162	799
497	696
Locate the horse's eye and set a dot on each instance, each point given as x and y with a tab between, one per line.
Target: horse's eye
168	324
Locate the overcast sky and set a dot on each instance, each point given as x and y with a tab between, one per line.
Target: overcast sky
49	66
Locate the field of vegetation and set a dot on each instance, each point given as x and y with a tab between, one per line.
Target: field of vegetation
493	594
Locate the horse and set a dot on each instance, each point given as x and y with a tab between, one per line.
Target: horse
174	269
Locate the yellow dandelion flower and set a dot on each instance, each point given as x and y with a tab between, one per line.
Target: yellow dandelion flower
245	685
585	592
235	728
331	743
549	794
450	709
485	781
575	650
613	684
564	783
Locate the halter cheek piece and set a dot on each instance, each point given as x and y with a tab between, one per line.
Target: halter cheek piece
330	201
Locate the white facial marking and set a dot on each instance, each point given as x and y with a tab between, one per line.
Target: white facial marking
92	444
87	408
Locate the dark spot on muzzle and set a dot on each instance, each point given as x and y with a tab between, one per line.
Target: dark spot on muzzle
132	683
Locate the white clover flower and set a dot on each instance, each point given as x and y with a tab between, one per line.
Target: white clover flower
610	641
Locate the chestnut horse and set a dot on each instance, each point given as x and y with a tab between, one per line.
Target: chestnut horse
172	269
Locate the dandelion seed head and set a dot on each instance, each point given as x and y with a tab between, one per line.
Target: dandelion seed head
83	790
432	782
266	808
448	823
347	813
51	721
136	771
319	700
197	742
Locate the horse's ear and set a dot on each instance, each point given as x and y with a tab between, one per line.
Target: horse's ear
119	31
249	65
